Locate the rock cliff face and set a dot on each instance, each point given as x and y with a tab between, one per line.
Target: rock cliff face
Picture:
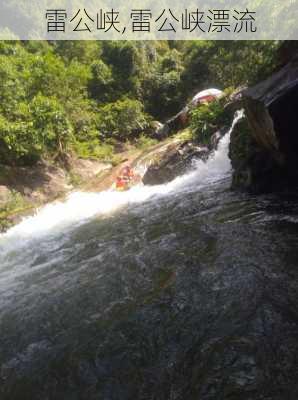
254	168
264	145
175	159
23	189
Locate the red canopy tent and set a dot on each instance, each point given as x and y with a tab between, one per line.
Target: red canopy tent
206	96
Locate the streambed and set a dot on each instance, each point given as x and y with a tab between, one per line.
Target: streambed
180	291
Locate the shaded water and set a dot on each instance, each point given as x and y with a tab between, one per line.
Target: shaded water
181	291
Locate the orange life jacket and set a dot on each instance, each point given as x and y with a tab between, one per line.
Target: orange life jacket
120	183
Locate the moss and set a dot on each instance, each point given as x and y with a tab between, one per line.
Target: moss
242	144
16	201
253	167
185	134
206	119
16	204
74	179
144	143
242	149
94	150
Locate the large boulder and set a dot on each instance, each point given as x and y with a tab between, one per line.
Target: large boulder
174	160
253	166
88	169
174	124
176	157
271	111
264	146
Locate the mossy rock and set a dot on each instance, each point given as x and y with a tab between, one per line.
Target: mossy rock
253	166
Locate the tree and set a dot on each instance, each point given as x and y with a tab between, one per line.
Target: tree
122	119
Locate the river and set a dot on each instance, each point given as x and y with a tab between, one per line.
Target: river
180	291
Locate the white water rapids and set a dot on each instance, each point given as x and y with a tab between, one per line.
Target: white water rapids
82	206
141	294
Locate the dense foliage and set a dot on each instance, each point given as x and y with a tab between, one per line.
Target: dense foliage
81	96
208	118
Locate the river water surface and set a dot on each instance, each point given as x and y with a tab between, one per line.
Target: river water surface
181	291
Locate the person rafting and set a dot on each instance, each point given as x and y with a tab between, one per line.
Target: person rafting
127	173
124	179
121	184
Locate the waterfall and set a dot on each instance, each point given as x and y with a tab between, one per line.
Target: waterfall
82	206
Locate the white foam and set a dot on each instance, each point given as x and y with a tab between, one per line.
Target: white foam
81	206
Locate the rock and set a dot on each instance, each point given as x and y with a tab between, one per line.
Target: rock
286	52
179	121
45	181
156	127
162	132
5	195
215	138
271	110
87	169
174	160
172	125
264	147
235	101
54	182
252	165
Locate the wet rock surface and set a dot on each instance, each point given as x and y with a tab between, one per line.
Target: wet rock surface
176	158
254	168
174	161
48	181
23	189
269	135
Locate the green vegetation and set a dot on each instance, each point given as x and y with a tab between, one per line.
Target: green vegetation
84	97
185	134
122	119
16	200
227	64
145	142
16	203
208	118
